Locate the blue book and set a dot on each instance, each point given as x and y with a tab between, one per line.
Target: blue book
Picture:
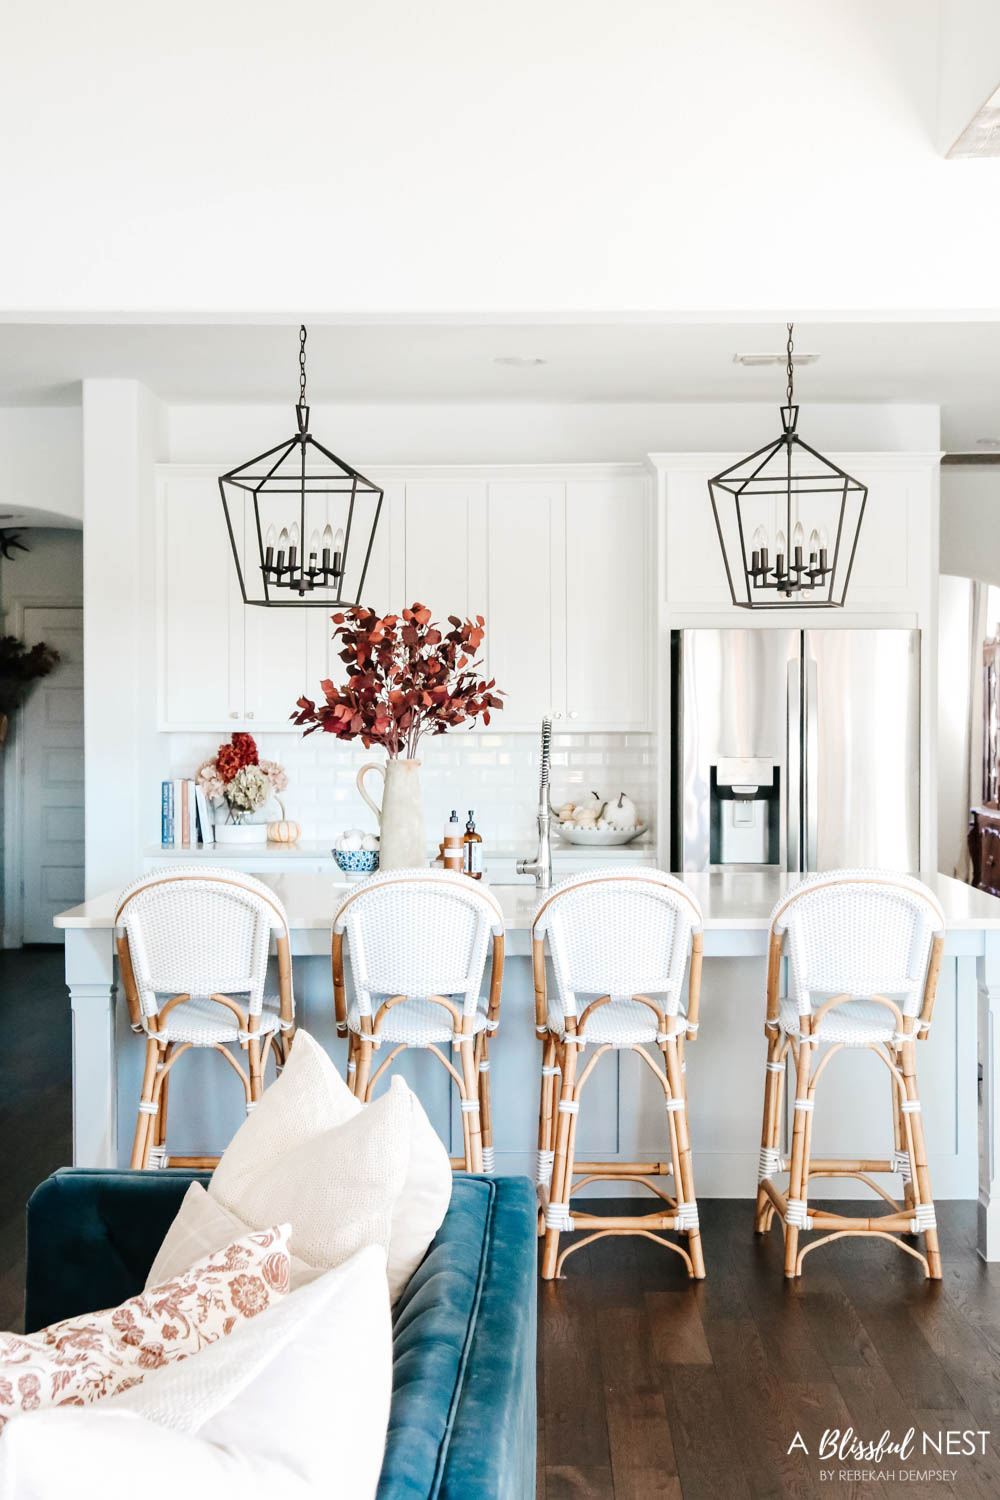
167	815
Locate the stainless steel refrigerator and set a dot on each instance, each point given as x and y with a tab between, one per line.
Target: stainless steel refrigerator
796	749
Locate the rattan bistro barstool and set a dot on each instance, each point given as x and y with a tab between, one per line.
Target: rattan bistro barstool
192	950
864	951
620	942
418	941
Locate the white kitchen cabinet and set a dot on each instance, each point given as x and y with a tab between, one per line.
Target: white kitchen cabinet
556	560
525	612
893	559
224	665
608	630
200	610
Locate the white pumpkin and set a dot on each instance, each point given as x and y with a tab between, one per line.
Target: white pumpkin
622	813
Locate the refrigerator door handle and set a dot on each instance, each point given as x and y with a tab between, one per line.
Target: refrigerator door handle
793	761
810	765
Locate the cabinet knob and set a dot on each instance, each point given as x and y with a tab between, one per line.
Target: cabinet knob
557	714
234	714
249	716
574	714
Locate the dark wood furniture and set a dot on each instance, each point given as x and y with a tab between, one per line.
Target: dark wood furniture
984	820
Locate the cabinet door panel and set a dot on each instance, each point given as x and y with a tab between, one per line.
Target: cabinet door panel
445	546
525	622
200	610
608	629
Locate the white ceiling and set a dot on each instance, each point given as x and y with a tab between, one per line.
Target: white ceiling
952	364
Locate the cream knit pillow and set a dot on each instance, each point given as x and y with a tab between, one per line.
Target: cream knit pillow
349	1174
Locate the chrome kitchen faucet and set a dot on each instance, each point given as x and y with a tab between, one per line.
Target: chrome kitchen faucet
541	865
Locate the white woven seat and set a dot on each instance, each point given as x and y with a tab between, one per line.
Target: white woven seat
620	942
416	1023
863	949
855	1023
193	946
619	1023
205	1023
419	934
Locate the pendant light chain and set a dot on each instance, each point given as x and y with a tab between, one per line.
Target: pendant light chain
789	368
302	364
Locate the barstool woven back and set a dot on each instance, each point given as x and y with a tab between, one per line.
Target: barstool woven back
418	943
418	933
193	948
859	932
618	934
201	932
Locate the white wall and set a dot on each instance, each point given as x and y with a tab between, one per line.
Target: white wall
970	63
970	521
538	432
647	155
40	461
121	443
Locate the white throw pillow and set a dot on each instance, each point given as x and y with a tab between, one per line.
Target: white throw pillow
96	1355
350	1174
298	1396
202	1227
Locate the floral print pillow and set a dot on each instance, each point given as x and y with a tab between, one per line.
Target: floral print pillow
103	1353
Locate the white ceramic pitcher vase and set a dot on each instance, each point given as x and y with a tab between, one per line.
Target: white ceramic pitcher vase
402	839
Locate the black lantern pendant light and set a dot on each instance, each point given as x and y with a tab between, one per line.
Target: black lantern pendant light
767	505
301	521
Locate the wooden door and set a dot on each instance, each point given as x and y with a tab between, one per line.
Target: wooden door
50	736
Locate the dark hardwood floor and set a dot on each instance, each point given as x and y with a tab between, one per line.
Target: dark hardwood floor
650	1387
35	1100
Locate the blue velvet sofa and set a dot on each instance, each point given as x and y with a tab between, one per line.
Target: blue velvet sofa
462	1425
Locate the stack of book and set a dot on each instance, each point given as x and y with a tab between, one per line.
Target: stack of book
185	816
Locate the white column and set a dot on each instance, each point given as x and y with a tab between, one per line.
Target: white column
91	982
121	443
988	974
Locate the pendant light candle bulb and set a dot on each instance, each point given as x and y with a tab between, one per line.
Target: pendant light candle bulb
269	541
758	545
338	552
798	543
313	549
779	550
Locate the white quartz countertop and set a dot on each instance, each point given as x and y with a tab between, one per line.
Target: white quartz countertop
735	901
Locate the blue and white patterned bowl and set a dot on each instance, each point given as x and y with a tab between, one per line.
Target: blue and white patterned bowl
357	861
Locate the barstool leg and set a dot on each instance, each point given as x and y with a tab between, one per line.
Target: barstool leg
546	1126
562	1174
684	1172
485	1102
923	1197
364	1059
899	1132
160	1135
470	1079
771	1126
256	1072
798	1171
146	1114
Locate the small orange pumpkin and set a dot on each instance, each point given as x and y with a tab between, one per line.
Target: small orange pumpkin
284	831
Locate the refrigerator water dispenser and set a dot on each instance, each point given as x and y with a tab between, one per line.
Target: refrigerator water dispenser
745	812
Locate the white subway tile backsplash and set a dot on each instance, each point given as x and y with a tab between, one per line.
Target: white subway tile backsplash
495	774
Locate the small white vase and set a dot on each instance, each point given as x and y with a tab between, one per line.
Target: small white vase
241	834
402	839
